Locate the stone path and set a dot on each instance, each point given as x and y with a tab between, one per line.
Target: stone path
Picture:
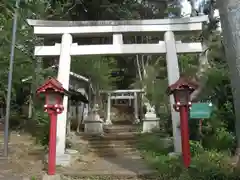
112	155
6	170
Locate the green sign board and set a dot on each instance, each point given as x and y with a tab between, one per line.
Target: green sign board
201	110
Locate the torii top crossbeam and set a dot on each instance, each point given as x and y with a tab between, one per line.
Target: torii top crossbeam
84	28
117	29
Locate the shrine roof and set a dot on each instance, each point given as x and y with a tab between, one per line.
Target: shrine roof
75	93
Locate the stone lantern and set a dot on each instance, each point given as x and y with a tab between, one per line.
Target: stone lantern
53	92
181	91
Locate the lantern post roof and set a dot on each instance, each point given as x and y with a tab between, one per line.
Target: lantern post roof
51	83
183	83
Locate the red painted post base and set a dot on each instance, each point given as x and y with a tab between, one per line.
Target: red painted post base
52	143
183	110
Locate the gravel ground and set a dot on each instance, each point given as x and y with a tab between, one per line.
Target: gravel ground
25	157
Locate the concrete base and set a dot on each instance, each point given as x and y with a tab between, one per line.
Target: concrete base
166	142
93	127
150	125
136	121
62	159
108	122
26	178
51	177
174	154
71	151
93	124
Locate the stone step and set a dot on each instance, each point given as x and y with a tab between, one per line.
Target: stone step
91	175
106	142
121	128
114	151
116	148
123	122
111	145
112	136
116	154
94	175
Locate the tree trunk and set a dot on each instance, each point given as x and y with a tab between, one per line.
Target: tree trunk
230	20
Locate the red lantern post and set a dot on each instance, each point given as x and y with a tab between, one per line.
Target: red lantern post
54	92
181	91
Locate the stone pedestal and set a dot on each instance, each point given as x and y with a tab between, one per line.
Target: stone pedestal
93	124
108	122
62	159
150	122
51	177
174	154
93	127
136	121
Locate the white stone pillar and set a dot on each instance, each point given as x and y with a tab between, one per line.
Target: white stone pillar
136	108
80	107
117	39
63	77
108	120
30	107
173	76
69	116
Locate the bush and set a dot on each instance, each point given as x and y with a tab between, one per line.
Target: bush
155	143
41	130
211	165
221	140
196	148
16	120
225	139
205	165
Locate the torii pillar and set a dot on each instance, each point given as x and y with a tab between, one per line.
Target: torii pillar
173	76
63	77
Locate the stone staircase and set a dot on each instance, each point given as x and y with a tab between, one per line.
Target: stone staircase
113	156
118	140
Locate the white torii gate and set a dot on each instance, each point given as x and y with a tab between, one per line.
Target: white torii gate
121	95
69	29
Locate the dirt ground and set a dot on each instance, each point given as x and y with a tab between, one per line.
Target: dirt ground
25	157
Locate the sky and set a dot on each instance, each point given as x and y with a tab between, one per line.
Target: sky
186	8
186	11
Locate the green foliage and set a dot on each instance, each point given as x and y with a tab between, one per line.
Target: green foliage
17	120
23	66
211	165
98	69
196	148
204	164
41	128
155	145
33	178
220	139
